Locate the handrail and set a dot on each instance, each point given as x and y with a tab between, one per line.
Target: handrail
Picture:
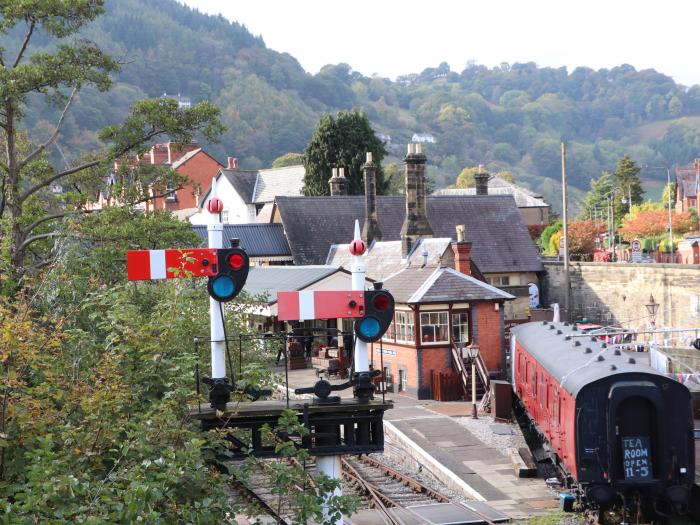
457	358
483	372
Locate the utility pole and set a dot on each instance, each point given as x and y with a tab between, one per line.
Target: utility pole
670	216
565	234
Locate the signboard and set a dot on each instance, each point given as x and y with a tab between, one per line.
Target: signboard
534	293
636	248
636	454
562	242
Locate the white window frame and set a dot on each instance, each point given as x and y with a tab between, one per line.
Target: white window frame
434	320
403	380
463	327
405	331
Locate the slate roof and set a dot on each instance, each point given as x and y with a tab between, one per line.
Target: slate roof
287	181
524	198
384	258
570	365
259	240
266	281
500	240
243	181
440	285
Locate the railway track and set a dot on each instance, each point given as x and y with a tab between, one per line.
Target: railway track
377	486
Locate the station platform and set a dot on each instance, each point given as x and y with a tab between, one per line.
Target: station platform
428	434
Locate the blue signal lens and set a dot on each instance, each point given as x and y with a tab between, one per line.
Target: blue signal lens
223	287
369	327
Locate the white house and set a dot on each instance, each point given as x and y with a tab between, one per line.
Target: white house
248	195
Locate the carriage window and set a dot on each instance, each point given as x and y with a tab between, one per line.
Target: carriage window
543	387
534	382
555	411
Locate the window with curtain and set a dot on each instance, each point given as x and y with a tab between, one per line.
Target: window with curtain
434	327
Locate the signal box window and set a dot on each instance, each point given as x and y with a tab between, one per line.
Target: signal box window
460	327
404	327
402	381
434	327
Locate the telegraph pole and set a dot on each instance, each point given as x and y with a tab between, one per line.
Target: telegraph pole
565	234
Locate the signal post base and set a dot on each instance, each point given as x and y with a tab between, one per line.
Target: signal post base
346	427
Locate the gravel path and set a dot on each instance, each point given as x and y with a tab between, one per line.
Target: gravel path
483	430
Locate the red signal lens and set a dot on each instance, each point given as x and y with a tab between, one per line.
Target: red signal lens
381	302
235	261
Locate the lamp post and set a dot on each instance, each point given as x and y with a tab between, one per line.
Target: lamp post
472	354
652	307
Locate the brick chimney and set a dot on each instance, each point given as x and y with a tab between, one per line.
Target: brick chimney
370	230
462	250
338	182
415	223
231	163
482	181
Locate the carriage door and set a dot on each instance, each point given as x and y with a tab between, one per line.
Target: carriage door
632	424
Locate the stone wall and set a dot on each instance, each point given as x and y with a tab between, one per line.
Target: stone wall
616	293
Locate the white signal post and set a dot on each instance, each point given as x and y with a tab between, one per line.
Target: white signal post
215	233
330	465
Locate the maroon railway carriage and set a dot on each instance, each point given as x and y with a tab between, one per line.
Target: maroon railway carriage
620	429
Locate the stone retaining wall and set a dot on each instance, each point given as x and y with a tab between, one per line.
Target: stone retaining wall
616	293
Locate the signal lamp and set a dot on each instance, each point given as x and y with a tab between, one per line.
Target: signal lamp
233	264
379	313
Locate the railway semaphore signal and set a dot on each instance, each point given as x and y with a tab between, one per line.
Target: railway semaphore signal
227	270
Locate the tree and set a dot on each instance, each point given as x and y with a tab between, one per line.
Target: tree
654	222
288	159
506	176
342	142
28	206
669	194
466	179
582	236
626	177
595	203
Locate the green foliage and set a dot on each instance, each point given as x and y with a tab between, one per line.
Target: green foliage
288	159
342	142
626	177
547	235
466	179
394	175
54	59
668	197
595	203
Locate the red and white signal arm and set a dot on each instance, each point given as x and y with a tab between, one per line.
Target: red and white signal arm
144	265
322	304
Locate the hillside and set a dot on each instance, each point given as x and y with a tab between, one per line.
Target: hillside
508	117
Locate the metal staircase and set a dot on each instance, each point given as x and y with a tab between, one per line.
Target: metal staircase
483	387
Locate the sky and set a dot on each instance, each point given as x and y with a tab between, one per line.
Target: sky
390	37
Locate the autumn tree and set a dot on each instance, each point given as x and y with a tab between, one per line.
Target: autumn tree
342	142
582	236
654	222
34	191
466	179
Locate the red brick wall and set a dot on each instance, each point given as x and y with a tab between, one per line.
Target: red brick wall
200	169
438	359
489	335
406	358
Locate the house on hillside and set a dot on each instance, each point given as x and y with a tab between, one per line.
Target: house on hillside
189	160
532	207
248	195
687	181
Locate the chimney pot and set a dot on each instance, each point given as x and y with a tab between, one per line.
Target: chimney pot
334	172
341	172
460	232
369	157
419	148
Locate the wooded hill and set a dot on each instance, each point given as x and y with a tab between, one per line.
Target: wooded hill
510	117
